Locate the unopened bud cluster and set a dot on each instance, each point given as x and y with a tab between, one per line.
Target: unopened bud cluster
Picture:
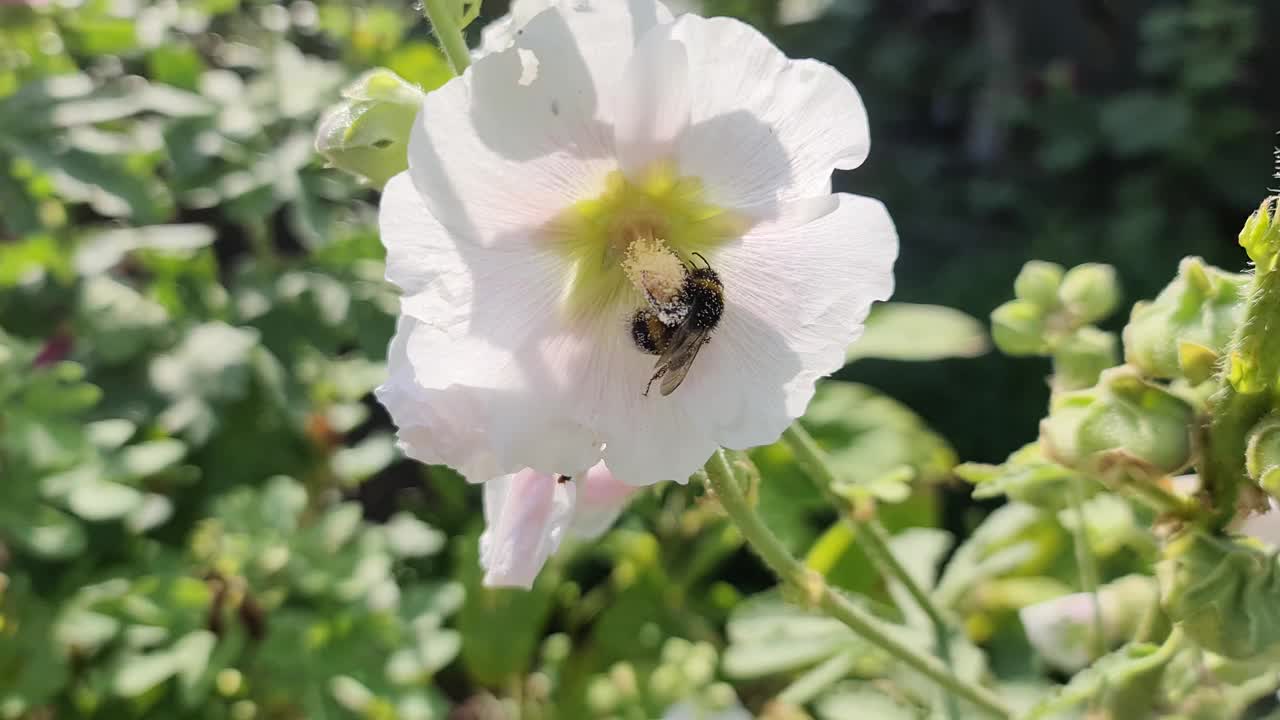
1053	315
685	674
1184	330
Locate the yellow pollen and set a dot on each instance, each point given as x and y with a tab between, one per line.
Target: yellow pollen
653	269
625	246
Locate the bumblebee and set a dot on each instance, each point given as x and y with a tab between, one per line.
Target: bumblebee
702	302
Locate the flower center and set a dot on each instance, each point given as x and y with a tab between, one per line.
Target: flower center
630	244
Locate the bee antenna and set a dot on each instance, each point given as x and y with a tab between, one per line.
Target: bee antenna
699	255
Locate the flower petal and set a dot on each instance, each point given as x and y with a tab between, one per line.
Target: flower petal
797	290
601	498
523	134
652	106
459	392
764	129
525	517
500	34
1059	630
434	426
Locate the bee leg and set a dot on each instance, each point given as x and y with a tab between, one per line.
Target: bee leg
659	372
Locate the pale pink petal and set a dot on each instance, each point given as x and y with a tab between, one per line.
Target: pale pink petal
1059	630
601	498
524	133
764	128
435	426
526	515
651	109
458	390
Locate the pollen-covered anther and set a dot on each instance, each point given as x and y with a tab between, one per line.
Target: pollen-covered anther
658	273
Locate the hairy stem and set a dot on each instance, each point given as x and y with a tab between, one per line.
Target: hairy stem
874	539
448	32
1088	569
1245	385
814	587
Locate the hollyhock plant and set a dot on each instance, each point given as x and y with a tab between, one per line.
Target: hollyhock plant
561	193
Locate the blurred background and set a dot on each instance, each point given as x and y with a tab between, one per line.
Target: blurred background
203	512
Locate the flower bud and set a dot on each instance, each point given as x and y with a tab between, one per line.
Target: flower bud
1090	292
1124	420
1262	455
1223	593
1038	283
1017	327
1081	357
368	134
1260	236
1183	331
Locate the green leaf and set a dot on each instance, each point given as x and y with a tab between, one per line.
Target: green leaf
353	465
1126	680
921	551
871	439
140	673
99	500
1007	539
83	632
858	700
104	250
46	532
149	458
408	536
500	628
907	331
768	636
120	321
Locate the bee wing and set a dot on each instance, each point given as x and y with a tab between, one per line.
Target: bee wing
679	358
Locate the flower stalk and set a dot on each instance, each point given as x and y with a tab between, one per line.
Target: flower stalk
814	587
1248	380
1088	568
874	539
448	32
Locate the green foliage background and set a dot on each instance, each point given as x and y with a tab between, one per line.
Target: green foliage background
203	513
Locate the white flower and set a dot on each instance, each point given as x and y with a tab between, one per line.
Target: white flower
1060	630
527	515
548	190
501	33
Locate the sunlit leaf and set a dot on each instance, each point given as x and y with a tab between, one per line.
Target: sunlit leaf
908	331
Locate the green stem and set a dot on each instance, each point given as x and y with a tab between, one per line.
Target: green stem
261	244
449	33
1147	492
1244	396
1088	568
874	540
814	587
